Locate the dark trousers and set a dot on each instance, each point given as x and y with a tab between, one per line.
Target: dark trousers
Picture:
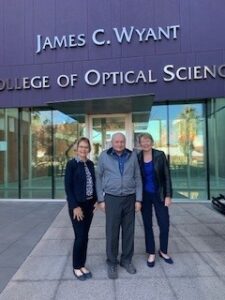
120	213
162	216
81	229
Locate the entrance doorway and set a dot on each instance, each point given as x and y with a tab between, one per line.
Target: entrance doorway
101	129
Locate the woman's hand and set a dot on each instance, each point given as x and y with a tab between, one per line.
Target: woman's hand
168	201
78	214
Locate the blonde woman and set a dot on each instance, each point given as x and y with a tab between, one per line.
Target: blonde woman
81	197
157	192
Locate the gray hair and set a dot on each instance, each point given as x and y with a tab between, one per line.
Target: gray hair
116	134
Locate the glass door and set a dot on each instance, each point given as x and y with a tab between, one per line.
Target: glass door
101	129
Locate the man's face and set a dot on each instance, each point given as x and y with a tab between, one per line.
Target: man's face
118	143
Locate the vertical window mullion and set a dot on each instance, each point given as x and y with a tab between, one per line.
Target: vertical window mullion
52	154
207	149
19	152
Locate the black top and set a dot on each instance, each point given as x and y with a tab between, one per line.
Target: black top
162	172
75	182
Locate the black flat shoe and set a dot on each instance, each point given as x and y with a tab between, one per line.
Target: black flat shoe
167	260
86	272
80	277
150	264
88	275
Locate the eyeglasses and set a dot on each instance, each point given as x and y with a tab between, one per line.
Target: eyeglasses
82	147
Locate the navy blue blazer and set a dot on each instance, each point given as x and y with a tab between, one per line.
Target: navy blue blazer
75	182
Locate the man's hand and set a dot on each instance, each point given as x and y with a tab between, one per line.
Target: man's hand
78	214
95	207
101	206
168	201
137	206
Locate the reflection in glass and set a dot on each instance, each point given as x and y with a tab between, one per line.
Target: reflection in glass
36	137
8	153
187	150
184	132
216	134
66	131
102	130
153	122
35	145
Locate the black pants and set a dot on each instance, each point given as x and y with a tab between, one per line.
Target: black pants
81	229
120	213
162	216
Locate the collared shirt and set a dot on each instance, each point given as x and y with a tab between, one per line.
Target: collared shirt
89	181
121	159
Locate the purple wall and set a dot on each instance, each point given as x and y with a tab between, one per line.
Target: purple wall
200	41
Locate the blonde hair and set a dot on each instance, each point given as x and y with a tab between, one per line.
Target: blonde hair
145	135
83	139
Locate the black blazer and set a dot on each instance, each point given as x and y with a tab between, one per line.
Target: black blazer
75	182
162	172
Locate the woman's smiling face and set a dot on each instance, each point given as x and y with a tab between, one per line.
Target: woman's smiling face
146	143
83	150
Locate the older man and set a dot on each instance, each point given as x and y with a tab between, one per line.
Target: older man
119	190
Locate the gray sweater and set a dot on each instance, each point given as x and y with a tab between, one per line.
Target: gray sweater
110	181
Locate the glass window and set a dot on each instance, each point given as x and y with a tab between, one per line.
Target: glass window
47	137
36	154
216	134
9	153
187	148
185	134
66	131
153	122
102	130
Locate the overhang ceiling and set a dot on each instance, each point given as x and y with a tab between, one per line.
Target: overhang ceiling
142	103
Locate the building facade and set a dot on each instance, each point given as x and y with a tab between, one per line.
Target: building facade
72	68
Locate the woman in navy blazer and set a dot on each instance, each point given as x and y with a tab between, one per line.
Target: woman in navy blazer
81	197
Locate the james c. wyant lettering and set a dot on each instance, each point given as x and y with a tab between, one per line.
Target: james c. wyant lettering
100	37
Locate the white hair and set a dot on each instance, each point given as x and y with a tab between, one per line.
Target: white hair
118	134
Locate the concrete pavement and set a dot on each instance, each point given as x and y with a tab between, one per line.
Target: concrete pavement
22	225
197	245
